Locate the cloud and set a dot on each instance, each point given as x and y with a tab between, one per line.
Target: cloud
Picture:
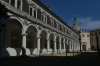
88	23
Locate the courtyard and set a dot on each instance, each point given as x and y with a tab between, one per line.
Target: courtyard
84	58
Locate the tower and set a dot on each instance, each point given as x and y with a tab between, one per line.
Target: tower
75	25
74	21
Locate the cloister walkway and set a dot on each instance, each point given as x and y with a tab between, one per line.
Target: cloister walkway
83	59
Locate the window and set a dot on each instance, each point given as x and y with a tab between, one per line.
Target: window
95	33
52	23
92	39
35	13
32	11
16	3
83	35
19	4
87	35
44	18
58	27
15	40
61	28
12	2
66	31
91	34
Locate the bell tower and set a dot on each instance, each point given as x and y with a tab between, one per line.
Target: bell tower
75	24
74	21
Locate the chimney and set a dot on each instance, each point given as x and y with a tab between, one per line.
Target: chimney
49	8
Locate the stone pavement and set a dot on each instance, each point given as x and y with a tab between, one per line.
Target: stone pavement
83	59
55	54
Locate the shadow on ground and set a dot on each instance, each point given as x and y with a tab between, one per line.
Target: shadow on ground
85	58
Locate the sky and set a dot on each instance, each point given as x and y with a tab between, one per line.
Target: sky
87	12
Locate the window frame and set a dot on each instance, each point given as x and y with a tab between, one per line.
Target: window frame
44	18
16	3
33	11
83	35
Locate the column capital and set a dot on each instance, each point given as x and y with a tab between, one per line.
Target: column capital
38	37
24	34
47	39
59	41
54	40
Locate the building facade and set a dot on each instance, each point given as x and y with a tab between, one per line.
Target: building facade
85	39
31	28
93	36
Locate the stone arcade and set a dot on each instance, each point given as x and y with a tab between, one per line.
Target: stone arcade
32	28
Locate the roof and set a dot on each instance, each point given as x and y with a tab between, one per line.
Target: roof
49	11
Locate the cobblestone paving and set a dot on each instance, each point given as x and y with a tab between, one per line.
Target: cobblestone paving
83	59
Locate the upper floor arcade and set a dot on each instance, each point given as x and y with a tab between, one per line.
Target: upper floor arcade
35	11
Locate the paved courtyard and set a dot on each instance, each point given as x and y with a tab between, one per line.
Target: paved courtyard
85	58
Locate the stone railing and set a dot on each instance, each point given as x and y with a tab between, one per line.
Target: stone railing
24	14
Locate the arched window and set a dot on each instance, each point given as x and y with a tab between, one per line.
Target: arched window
15	40
28	42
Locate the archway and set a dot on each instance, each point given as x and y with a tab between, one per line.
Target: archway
52	41
92	47
12	38
66	45
84	47
31	41
62	44
43	42
57	43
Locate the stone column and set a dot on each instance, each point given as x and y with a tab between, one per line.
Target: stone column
24	44
1	43
75	48
55	46
38	45
48	45
69	47
59	47
64	47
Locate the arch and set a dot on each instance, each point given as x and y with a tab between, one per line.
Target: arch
32	26
52	33
15	18
31	43
57	36
44	31
52	41
43	40
84	47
